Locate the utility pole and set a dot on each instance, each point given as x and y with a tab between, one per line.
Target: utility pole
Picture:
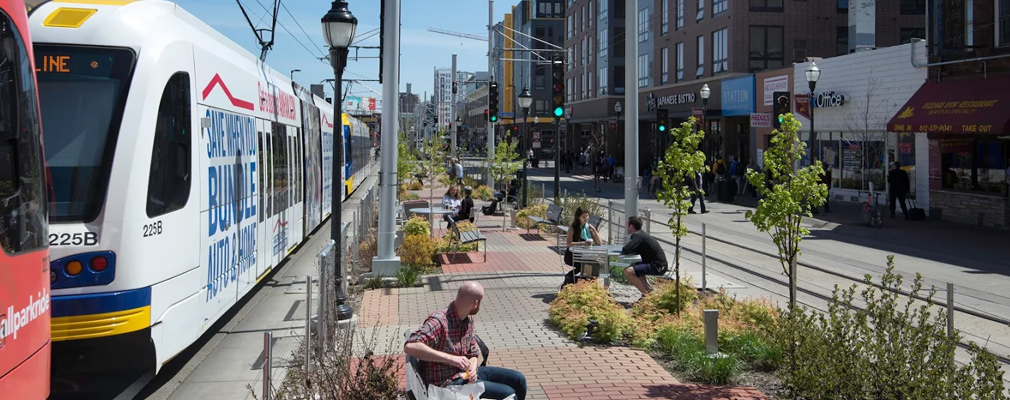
631	107
452	110
386	263
490	71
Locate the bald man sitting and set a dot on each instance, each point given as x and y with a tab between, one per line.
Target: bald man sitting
446	346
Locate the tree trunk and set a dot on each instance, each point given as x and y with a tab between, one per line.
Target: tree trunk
676	266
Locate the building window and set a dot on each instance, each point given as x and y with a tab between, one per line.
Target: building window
666	17
843	6
619	33
765	47
169	180
680	61
908	33
603	81
603	9
539	107
571	19
766	5
591	13
701	56
583	92
589	85
720	51
618	80
841	40
680	14
665	71
585	17
643	25
603	43
718	7
643	70
1003	23
913	7
585	51
568	90
701	10
539	77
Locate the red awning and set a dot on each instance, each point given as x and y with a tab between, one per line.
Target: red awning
971	106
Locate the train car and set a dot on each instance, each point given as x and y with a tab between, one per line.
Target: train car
190	165
24	234
357	143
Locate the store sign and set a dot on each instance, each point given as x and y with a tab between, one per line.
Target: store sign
828	99
761	120
676	99
738	96
775	84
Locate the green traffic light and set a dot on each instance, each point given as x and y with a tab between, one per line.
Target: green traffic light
494	118
662	128
558	112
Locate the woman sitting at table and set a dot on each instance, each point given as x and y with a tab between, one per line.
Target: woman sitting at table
451	199
581	232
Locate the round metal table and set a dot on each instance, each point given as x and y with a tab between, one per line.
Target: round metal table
613	258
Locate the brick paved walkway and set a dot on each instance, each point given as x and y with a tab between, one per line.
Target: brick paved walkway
520	278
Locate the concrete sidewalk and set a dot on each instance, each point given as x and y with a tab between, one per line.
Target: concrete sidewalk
521	277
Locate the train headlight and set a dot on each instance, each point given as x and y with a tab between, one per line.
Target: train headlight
74	268
98	264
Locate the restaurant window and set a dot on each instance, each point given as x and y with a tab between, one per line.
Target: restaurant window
913	7
766	5
841	40
976	164
765	47
859	157
908	33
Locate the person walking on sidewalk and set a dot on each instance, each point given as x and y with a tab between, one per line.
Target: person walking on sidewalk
653	258
694	185
736	174
897	179
446	346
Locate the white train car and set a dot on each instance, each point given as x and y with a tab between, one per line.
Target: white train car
191	166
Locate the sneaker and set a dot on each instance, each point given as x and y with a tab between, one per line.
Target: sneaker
691	211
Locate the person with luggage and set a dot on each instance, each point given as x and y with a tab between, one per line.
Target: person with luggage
897	179
446	346
653	258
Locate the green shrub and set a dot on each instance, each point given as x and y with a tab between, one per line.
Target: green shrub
687	350
894	348
417	226
617	274
374	282
662	300
409	196
535	193
415	185
418	251
407	276
750	347
483	192
575	201
539	210
577	304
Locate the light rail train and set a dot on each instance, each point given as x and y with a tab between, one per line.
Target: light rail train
187	164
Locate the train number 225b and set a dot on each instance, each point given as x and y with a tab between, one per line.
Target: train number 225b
75	239
152	229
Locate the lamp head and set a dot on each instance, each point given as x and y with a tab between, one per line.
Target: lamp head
813	73
705	92
339	26
525	99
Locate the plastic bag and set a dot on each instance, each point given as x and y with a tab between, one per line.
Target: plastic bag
470	391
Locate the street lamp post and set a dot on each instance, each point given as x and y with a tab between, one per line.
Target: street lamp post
338	29
705	92
459	121
813	73
524	102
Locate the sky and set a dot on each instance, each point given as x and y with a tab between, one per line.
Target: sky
299	43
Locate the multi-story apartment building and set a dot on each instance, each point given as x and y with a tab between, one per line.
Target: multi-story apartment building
539	24
963	109
443	93
685	44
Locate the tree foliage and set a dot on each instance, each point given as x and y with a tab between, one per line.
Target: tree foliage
786	196
505	162
406	160
434	165
681	162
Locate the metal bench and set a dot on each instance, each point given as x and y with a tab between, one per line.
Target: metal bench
467	237
553	216
416	388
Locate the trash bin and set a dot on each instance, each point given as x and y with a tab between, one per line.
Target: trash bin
724	190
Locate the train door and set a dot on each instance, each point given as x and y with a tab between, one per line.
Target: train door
295	188
281	225
266	220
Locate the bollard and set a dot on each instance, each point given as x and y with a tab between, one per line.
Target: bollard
268	338
610	221
543	190
648	221
704	257
308	323
712	331
321	323
950	310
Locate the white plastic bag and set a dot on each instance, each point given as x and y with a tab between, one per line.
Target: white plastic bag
470	391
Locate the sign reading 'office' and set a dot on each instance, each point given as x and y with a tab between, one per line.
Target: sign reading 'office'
829	99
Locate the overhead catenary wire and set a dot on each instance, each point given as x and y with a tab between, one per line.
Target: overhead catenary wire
300	26
314	54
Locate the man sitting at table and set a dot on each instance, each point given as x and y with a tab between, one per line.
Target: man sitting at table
653	258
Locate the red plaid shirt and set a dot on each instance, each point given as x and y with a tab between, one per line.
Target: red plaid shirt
446	332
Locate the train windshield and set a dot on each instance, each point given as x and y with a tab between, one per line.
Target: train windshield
82	91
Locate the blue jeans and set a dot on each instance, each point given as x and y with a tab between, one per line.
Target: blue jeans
499	383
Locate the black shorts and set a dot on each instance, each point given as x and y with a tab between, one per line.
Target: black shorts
642	269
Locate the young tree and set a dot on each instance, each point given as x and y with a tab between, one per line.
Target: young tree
868	122
681	162
504	164
405	160
434	165
786	197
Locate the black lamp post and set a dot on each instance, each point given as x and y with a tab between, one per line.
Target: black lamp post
705	92
524	102
813	73
459	121
338	29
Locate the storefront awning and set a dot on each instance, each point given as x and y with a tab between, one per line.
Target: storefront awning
972	106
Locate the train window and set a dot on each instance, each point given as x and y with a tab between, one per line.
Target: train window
23	206
82	92
301	169
280	181
261	169
170	178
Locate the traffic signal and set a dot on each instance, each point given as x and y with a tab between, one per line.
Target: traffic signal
782	105
662	118
515	128
492	114
558	78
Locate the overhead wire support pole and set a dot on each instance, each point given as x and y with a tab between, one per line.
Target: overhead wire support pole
490	70
631	116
